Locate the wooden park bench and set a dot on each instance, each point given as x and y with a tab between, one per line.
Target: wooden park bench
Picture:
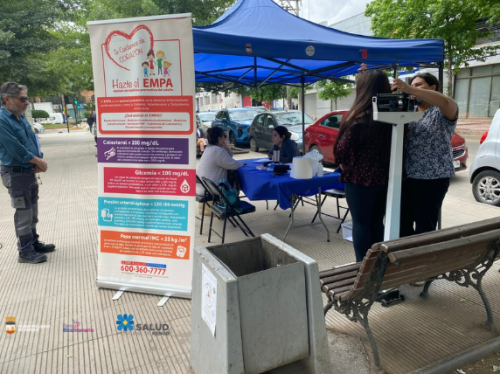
462	254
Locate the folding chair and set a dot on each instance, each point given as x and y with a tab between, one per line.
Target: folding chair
337	194
226	211
204	199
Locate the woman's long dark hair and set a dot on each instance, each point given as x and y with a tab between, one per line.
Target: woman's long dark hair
283	132
213	134
368	84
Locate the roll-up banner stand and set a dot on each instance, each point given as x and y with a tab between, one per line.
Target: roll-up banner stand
144	87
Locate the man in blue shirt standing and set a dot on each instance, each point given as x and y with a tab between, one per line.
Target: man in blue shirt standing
21	160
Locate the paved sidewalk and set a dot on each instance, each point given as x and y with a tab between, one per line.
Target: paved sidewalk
473	126
63	291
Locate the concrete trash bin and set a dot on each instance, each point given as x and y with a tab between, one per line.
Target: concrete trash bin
267	310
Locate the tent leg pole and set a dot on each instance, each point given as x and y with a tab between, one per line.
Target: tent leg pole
302	83
440	63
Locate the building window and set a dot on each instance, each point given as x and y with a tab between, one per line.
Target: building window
477	91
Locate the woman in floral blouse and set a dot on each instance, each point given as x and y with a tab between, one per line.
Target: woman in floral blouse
362	148
428	154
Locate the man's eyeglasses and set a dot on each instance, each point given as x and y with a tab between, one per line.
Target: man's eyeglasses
24	99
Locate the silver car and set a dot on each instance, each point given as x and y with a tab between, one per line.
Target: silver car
38	128
261	130
485	170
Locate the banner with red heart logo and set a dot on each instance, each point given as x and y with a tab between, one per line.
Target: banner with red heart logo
125	47
146	152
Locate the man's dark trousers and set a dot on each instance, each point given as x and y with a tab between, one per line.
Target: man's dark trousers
23	190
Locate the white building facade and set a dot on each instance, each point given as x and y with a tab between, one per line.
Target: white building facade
476	88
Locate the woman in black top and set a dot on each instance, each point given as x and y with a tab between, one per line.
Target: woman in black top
362	148
282	142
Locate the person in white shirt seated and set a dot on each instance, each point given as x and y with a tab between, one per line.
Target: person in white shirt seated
217	159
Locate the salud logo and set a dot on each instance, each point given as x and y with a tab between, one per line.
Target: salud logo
125	322
10	325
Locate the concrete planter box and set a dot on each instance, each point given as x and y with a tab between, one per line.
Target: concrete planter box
268	312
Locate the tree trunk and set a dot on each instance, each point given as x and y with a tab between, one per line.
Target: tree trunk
449	86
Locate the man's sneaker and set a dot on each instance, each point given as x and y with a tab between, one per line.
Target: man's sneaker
41	247
32	257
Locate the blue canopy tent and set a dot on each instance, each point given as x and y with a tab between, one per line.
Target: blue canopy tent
257	43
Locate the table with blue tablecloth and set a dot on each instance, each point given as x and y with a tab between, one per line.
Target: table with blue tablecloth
266	185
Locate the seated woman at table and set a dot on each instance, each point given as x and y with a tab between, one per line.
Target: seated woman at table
216	160
282	142
362	148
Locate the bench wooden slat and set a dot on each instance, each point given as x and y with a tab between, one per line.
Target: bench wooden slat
425	273
340	269
479	239
418	273
366	267
430	269
473	255
342	290
340	295
331	286
336	278
408	265
472	252
441	235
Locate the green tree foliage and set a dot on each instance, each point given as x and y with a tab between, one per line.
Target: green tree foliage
225	88
451	20
26	40
296	90
72	61
267	93
36	114
333	90
489	9
203	12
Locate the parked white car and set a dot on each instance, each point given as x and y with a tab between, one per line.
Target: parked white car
38	128
205	120
485	170
54	118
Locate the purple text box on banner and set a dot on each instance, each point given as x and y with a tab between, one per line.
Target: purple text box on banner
143	150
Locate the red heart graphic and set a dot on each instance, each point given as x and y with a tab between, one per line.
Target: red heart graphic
129	37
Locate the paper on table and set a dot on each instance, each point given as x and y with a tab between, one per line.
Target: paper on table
262	160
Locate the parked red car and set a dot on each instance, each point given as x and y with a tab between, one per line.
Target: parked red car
321	135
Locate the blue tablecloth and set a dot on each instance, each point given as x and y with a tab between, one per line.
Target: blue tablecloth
262	185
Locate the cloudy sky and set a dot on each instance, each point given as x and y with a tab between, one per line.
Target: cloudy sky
332	10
